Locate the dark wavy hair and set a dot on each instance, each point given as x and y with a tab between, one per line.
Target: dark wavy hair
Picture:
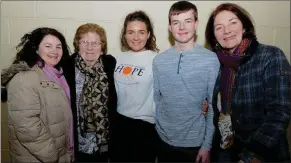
241	14
142	17
30	43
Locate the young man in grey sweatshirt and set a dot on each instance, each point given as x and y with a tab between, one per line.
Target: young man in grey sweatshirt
184	76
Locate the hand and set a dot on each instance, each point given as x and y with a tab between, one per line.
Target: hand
205	107
240	161
203	156
72	154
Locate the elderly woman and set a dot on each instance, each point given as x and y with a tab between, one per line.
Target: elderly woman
39	112
252	96
93	97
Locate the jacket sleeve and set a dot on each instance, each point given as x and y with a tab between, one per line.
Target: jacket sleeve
111	64
156	85
24	115
277	85
112	91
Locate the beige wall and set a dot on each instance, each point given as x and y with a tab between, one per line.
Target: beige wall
272	21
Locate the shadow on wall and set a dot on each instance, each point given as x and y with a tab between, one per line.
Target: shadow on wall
206	45
171	38
3	94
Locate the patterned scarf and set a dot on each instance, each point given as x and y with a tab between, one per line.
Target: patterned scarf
93	101
230	64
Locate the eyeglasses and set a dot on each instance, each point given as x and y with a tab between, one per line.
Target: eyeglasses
93	44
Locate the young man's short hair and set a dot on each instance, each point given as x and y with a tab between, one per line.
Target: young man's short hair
181	7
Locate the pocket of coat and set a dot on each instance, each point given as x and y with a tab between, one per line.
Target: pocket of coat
46	84
54	95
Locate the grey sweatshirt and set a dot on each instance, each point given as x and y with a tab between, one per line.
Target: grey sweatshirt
182	81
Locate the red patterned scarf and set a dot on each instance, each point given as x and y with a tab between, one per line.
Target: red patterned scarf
230	63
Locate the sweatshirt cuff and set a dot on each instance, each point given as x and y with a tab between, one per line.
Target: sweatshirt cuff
206	146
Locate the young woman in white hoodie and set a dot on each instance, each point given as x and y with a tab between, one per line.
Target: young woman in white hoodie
134	137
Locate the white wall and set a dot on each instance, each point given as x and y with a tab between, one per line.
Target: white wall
272	20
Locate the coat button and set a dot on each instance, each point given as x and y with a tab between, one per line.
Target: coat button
282	73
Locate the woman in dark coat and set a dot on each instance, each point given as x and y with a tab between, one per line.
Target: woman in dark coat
93	96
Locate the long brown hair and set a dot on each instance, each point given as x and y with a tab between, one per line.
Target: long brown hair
142	17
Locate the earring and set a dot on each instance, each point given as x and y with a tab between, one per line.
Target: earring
217	46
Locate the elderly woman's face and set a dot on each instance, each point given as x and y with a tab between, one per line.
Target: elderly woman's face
90	47
228	30
50	50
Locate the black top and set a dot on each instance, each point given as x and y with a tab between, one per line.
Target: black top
69	72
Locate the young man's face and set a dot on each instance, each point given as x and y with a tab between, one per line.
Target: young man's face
183	27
